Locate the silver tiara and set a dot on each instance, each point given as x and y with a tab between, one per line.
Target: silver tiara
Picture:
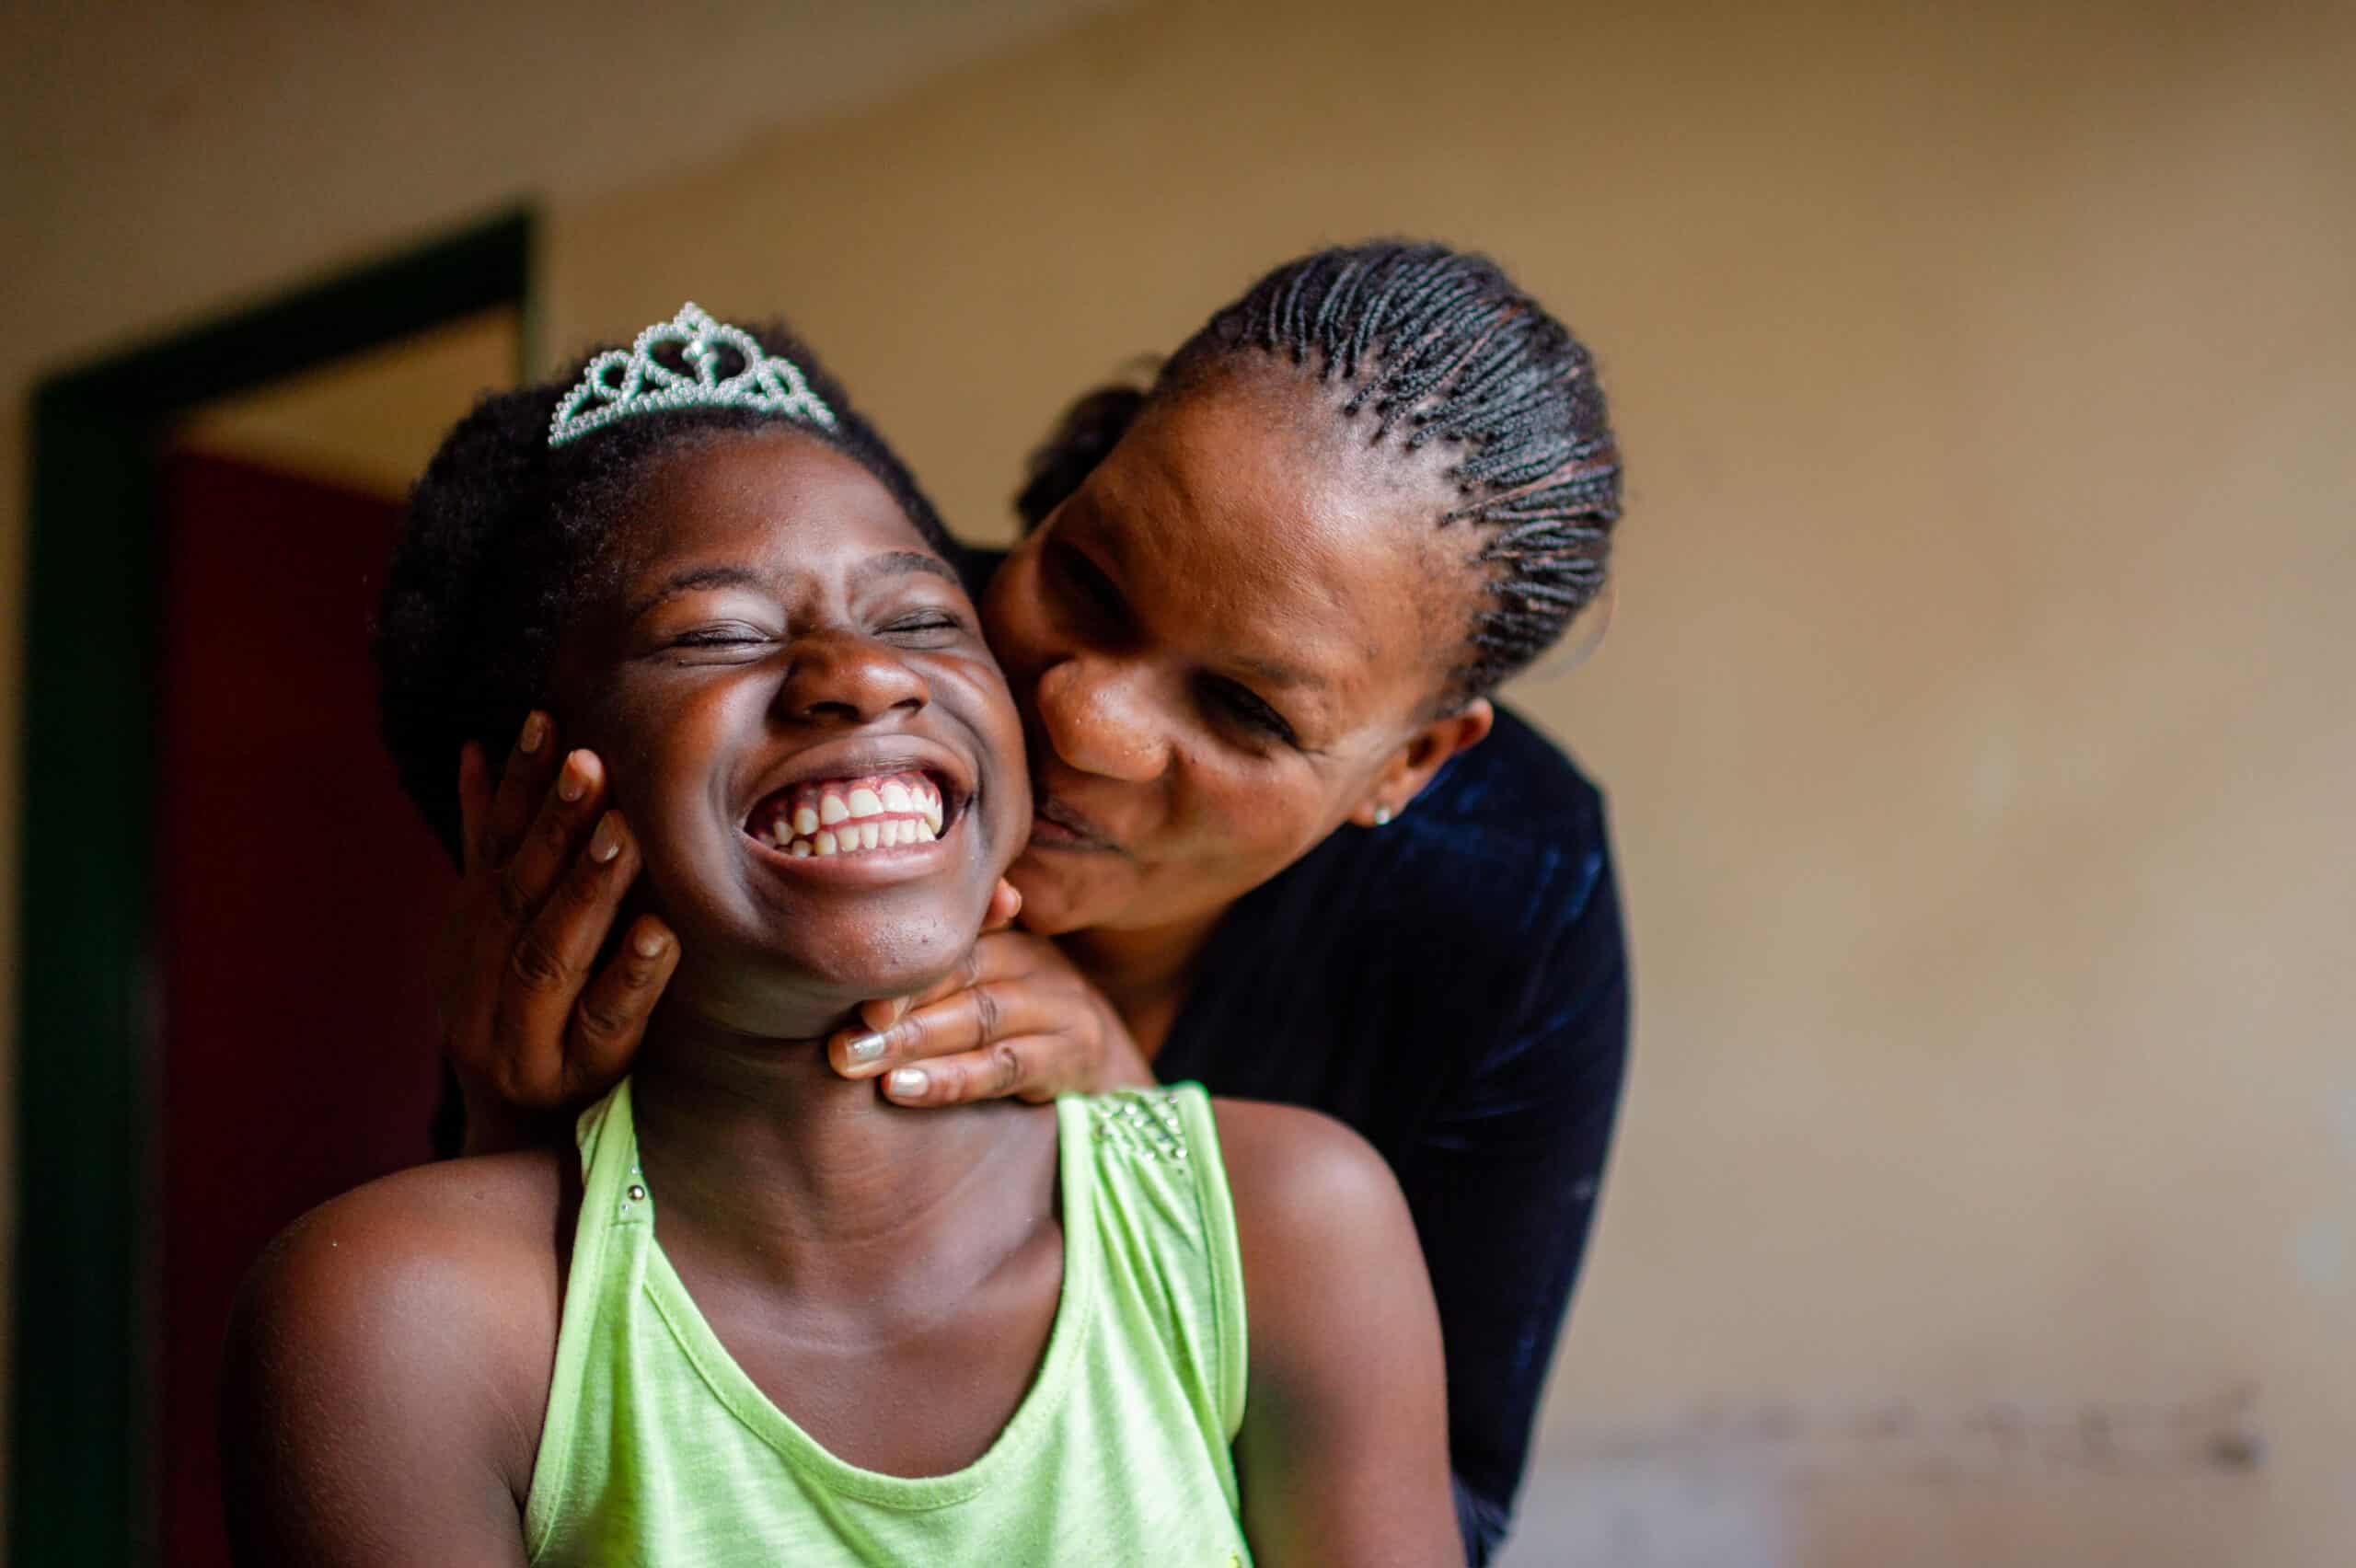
647	385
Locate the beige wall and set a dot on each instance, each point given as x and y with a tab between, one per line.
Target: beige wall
369	422
1976	719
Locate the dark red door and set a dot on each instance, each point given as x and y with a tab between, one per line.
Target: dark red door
298	894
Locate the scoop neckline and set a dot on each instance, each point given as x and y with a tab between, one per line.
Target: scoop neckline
1032	1416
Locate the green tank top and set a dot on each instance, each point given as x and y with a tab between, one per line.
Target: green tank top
658	1448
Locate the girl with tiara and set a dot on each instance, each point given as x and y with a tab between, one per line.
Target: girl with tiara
752	1312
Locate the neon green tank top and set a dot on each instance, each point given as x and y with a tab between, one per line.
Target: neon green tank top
658	1448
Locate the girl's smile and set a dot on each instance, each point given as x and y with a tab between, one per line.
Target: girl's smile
865	814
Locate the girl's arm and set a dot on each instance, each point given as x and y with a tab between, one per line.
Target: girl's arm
1342	1456
377	1401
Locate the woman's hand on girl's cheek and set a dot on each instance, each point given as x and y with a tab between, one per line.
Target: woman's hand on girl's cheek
1016	1019
528	1028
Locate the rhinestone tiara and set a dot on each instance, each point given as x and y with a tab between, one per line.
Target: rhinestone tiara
621	383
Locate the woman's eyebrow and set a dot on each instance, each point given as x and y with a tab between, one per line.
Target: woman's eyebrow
692	579
1275	671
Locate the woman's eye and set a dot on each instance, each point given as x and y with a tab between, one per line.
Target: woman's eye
1239	704
1083	582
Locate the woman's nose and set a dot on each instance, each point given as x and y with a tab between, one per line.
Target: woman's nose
1101	719
840	677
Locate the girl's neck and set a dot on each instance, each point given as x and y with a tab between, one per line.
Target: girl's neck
1147	974
757	1150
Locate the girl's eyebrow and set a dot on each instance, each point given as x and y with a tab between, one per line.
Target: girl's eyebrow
898	563
692	579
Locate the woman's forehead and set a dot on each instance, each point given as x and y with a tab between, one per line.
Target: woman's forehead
1290	553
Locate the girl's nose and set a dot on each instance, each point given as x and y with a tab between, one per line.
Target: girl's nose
1100	719
843	678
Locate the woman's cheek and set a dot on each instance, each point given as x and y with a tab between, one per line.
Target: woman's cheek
1058	897
1012	619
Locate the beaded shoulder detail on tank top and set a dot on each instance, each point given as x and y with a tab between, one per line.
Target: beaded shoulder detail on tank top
1144	1122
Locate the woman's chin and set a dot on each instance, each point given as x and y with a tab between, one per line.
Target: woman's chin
1053	901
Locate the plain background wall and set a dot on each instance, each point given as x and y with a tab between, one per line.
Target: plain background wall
369	422
1976	719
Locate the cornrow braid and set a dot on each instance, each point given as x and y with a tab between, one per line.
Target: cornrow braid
1440	345
1435	344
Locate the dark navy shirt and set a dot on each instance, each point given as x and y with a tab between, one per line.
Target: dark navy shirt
1455	987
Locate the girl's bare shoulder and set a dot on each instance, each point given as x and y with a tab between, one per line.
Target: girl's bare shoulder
458	1230
431	1298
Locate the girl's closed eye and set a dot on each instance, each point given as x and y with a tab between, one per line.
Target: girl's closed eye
932	627
716	642
718	636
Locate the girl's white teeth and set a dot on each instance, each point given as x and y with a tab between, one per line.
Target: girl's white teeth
880	815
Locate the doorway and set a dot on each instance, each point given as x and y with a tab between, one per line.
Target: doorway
225	902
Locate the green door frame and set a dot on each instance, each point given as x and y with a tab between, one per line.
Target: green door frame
82	1381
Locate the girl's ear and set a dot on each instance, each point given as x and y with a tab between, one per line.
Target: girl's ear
1421	755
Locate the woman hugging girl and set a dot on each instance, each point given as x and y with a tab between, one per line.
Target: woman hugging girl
753	1311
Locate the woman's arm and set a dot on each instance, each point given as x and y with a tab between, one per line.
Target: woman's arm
377	1403
1342	1456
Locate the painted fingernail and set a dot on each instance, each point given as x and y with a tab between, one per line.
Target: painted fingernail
648	944
535	735
866	1048
574	782
607	842
907	1082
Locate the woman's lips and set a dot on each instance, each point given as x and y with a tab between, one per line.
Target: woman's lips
1055	826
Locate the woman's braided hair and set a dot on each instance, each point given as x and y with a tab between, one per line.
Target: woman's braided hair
1435	344
505	534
